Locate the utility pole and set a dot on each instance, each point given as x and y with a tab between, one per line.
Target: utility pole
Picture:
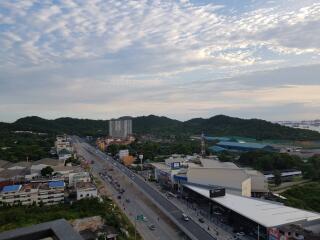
141	157
203	146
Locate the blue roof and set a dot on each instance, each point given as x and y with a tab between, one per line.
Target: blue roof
217	138
217	149
242	145
56	184
11	188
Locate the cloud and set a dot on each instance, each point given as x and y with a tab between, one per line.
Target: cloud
188	55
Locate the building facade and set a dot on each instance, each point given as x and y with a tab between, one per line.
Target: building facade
120	128
47	193
86	190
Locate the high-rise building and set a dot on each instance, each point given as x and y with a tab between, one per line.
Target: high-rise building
120	128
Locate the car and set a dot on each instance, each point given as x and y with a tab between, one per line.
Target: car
127	200
152	227
145	219
185	217
201	220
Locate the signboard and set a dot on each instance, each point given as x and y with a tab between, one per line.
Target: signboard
274	234
217	192
175	165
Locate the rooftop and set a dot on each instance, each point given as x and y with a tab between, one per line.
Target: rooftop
265	213
58	229
84	185
56	184
242	144
11	188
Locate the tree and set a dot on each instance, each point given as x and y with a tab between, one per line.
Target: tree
277	177
47	171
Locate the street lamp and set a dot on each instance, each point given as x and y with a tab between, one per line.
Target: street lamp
141	157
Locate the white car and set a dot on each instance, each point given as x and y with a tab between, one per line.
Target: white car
185	217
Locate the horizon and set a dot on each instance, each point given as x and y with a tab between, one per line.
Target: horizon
181	59
151	114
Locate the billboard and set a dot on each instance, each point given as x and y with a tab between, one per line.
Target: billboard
175	165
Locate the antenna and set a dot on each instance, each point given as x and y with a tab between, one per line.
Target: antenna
203	145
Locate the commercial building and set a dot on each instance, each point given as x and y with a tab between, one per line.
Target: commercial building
234	180
120	128
178	170
85	190
47	193
258	218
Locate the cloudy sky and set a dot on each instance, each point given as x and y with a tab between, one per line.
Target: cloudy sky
182	59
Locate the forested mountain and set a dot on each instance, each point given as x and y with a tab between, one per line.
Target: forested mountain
219	125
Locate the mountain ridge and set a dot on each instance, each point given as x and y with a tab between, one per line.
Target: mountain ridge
218	125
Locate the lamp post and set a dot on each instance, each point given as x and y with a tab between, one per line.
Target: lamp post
141	157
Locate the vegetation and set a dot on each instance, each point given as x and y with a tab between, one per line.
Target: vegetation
16	147
47	171
20	216
152	150
312	168
219	125
277	177
306	196
270	161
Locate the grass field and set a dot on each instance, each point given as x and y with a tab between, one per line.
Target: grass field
306	196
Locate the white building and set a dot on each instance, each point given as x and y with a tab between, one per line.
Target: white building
123	153
51	193
86	190
209	171
63	142
48	193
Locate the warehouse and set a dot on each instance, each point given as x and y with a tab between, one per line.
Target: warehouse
241	146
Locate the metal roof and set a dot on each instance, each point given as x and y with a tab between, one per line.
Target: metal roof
56	184
265	213
58	229
11	188
241	144
217	149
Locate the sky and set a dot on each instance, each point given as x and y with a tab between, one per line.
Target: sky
182	59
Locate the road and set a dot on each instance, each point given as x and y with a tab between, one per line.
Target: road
190	228
139	204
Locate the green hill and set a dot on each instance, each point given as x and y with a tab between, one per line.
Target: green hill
219	125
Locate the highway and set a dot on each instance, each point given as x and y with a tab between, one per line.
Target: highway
165	229
190	228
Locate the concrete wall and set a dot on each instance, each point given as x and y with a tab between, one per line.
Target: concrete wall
235	180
